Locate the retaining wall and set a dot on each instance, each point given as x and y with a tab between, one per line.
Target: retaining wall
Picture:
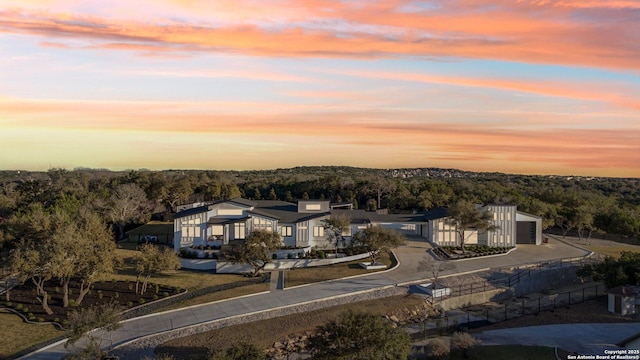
223	267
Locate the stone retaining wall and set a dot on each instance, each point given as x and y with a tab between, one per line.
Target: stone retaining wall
143	347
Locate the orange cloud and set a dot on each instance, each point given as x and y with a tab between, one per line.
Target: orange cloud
526	32
364	138
584	91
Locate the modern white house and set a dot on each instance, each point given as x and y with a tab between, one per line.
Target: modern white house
301	224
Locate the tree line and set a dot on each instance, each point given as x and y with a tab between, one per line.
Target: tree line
124	199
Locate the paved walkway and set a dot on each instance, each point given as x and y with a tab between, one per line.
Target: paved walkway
585	339
408	255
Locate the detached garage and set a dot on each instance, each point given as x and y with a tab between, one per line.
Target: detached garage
528	228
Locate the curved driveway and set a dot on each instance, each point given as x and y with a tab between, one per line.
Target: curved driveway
408	256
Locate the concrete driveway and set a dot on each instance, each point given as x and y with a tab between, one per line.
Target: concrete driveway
408	256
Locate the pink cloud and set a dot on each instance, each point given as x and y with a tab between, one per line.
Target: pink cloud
527	32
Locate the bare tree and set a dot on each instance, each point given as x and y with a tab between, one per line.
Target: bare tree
464	342
435	268
82	322
127	203
438	348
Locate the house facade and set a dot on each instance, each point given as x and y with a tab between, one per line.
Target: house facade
301	225
440	232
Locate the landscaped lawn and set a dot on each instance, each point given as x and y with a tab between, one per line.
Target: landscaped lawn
186	279
18	335
303	276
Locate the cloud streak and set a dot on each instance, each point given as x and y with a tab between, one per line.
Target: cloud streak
462	144
556	32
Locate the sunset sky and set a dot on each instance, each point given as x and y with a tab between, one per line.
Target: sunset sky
516	86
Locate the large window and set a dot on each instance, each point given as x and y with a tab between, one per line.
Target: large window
286	231
190	228
262	224
239	231
318	231
217	230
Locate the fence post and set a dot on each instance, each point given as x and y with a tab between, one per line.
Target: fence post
522	307
569	298
471	290
468	319
505	311
484	286
487	314
554	303
539	307
582	294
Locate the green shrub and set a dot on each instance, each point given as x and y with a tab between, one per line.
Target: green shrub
40	319
32	317
26	309
100	294
155	297
165	294
56	290
130	287
72	303
157	288
141	300
116	295
129	304
9	304
178	289
56	320
19	307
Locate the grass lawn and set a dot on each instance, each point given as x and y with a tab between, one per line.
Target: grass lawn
185	279
303	276
613	250
18	335
264	333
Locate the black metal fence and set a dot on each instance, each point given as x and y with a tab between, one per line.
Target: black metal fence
490	313
521	273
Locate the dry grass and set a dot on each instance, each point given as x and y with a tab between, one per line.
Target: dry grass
18	335
264	333
613	250
303	276
186	279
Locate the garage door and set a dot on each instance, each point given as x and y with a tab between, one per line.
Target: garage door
526	232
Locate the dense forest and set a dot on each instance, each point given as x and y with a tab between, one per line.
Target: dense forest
581	205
